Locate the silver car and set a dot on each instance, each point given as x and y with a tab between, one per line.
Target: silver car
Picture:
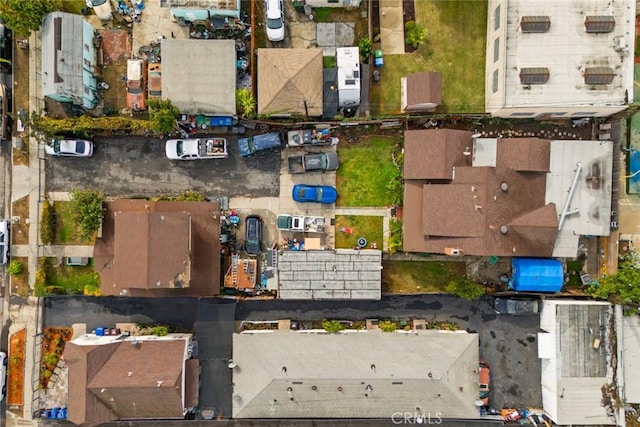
70	148
4	242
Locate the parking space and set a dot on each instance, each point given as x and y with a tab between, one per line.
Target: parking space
138	167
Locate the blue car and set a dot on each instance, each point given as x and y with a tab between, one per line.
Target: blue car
314	193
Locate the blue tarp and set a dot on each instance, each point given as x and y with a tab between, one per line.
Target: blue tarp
536	275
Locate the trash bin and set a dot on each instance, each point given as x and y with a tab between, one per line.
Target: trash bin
378	60
100	332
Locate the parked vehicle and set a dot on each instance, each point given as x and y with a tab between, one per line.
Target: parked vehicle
484	383
154	80
516	306
274	18
102	9
313	162
259	144
4	106
317	136
76	261
314	193
5	242
6	48
69	148
136	91
253	235
3	374
301	223
196	149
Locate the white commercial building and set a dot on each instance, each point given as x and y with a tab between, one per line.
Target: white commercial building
559	59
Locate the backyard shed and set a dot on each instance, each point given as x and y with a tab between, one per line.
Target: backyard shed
536	275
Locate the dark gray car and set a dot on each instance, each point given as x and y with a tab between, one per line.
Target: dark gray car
253	235
516	306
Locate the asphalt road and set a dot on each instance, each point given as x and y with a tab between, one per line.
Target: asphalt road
138	167
507	343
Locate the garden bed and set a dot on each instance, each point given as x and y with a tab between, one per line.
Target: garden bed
53	342
66	232
15	371
20	230
20	282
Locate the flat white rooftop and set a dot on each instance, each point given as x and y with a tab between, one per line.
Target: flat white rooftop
566	49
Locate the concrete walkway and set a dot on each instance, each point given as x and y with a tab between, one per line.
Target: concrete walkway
391	27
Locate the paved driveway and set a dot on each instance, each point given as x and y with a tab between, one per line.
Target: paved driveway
137	166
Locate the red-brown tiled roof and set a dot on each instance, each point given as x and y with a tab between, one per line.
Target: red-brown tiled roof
431	154
125	380
423	88
152	250
481	210
205	248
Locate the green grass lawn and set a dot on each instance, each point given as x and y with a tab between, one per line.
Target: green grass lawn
574	268
403	277
365	172
66	231
369	227
455	47
71	280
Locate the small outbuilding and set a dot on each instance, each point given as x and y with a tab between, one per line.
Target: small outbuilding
421	91
199	76
536	275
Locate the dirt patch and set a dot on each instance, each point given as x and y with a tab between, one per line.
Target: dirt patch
20	102
115	47
21	155
115	98
15	371
20	231
408	14
20	283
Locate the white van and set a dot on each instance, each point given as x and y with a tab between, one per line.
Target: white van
5	242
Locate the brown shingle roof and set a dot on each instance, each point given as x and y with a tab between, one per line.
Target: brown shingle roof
152	250
120	380
435	152
205	248
423	88
468	211
287	78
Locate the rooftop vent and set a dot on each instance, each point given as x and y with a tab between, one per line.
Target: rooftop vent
534	76
598	76
504	187
599	24
535	24
504	229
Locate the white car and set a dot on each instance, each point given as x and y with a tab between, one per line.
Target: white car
3	374
102	8
4	242
69	148
274	20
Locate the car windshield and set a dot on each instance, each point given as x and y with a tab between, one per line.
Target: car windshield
155	92
318	194
252	233
274	24
56	146
179	148
98	2
136	90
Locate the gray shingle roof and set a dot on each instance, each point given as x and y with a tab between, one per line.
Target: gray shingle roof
339	274
364	374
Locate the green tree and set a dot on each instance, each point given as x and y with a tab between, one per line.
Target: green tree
88	210
465	288
415	34
25	16
245	103
364	44
163	115
623	286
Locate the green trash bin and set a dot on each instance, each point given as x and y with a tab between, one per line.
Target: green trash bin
378	60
